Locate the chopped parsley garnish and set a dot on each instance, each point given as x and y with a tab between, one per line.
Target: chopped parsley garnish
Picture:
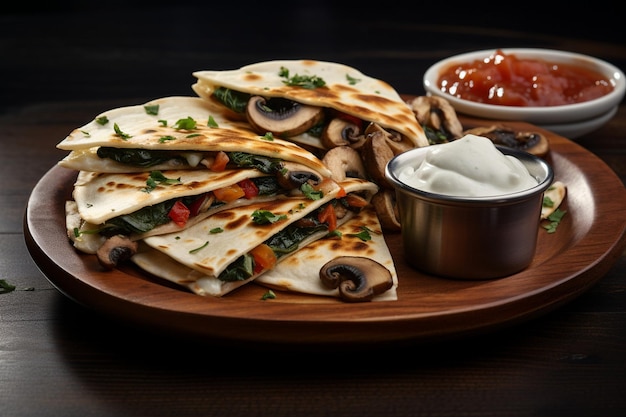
119	132
84	132
152	109
156	178
305	81
78	232
166	138
335	234
211	122
5	287
554	219
102	120
193	135
266	217
216	230
198	249
163	122
364	234
352	80
269	136
187	123
269	295
547	202
311	192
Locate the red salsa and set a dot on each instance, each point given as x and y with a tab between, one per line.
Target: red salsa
507	80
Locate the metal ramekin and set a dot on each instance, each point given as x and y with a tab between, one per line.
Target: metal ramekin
469	237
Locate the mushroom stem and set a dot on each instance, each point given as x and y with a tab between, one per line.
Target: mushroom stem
116	249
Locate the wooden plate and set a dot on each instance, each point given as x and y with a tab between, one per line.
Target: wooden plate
587	243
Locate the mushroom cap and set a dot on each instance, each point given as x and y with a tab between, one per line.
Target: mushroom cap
343	162
357	278
282	117
531	142
437	113
340	132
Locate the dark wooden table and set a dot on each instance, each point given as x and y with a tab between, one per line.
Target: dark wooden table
60	67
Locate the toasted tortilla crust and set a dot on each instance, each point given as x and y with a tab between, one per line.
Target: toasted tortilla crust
346	89
100	197
195	257
132	127
300	272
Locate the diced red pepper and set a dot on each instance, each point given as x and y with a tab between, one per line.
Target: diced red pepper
221	160
179	213
249	188
355	200
350	118
196	205
327	215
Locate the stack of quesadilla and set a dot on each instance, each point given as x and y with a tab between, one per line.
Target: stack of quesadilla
176	184
317	104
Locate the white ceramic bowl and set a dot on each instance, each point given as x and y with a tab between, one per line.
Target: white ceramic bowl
592	113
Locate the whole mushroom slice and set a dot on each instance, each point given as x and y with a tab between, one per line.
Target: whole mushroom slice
395	141
340	132
531	142
437	113
357	278
344	162
282	117
116	249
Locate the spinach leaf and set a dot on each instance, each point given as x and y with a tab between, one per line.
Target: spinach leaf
142	220
137	157
234	100
264	164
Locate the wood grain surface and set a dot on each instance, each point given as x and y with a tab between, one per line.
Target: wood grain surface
585	246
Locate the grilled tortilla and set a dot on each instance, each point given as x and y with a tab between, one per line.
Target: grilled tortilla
170	133
332	86
360	236
216	255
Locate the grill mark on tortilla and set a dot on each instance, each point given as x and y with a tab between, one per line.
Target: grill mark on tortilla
237	223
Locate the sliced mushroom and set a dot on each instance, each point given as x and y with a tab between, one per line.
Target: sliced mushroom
384	202
343	162
438	115
357	278
531	142
282	117
395	141
375	154
293	175
116	249
340	132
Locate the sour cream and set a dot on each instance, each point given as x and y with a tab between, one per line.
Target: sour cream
468	167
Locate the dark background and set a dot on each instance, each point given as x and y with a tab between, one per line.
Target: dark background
156	45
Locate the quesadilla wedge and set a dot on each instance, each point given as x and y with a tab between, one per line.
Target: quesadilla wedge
361	237
235	246
172	133
148	203
314	103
